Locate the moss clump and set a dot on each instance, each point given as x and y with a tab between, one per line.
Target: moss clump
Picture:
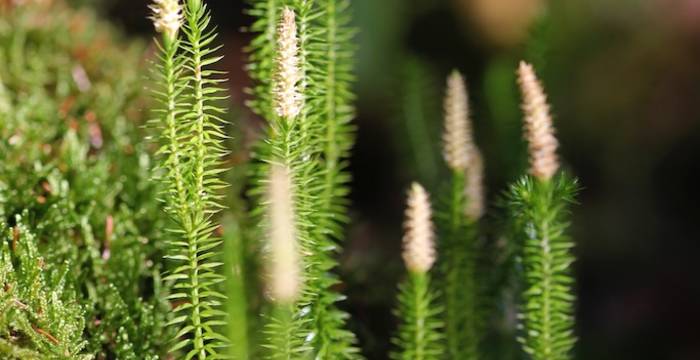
74	165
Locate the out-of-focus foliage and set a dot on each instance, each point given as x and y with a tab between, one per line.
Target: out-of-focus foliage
418	121
460	284
73	162
37	309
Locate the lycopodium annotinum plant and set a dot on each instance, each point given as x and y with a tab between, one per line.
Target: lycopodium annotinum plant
301	61
539	203
460	211
280	168
190	161
419	336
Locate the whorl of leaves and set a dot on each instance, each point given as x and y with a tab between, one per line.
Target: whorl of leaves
282	334
419	335
541	215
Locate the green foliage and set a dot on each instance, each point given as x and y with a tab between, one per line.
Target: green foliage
285	142
315	145
262	54
419	335
191	152
72	162
459	276
86	234
540	213
330	104
36	307
237	289
282	334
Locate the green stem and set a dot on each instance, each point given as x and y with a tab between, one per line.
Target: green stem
183	208
332	154
194	296
546	283
195	37
237	294
419	341
459	269
194	13
453	262
419	332
170	48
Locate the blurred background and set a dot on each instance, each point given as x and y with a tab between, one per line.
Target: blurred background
624	82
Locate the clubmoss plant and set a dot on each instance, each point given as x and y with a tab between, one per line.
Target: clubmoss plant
539	203
330	54
191	149
458	225
305	96
284	145
419	335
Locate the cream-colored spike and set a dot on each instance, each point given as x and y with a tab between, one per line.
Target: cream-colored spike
459	149
287	98
284	265
418	241
539	132
457	135
167	17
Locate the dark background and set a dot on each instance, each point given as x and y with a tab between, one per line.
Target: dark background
624	82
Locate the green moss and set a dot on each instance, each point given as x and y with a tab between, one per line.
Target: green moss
73	163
